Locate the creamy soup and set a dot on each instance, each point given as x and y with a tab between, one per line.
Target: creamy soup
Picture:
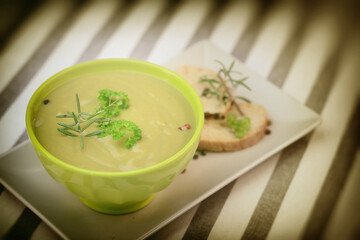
156	107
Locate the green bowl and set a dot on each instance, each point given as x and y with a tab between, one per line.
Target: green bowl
115	192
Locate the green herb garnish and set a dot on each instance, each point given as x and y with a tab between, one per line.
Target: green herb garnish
111	105
240	126
219	85
122	129
81	122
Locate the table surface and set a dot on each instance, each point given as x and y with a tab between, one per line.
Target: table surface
310	49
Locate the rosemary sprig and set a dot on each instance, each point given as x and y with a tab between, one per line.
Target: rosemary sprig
81	118
219	86
111	104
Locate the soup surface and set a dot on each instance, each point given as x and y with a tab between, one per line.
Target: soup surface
157	107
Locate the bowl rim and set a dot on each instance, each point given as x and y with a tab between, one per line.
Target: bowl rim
199	115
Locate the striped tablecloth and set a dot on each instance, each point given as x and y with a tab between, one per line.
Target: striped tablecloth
310	49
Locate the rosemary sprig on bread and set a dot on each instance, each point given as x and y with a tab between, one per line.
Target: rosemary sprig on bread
219	85
229	125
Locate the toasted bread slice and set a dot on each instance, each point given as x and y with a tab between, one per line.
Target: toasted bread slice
218	137
211	104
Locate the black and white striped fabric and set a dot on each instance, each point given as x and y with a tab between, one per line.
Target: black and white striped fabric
311	49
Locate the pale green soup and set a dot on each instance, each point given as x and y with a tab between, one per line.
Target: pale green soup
157	107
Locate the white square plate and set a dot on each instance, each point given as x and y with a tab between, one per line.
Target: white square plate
22	173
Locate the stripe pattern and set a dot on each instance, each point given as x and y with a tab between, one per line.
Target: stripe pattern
299	46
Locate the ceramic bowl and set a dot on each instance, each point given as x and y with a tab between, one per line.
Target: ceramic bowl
115	192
